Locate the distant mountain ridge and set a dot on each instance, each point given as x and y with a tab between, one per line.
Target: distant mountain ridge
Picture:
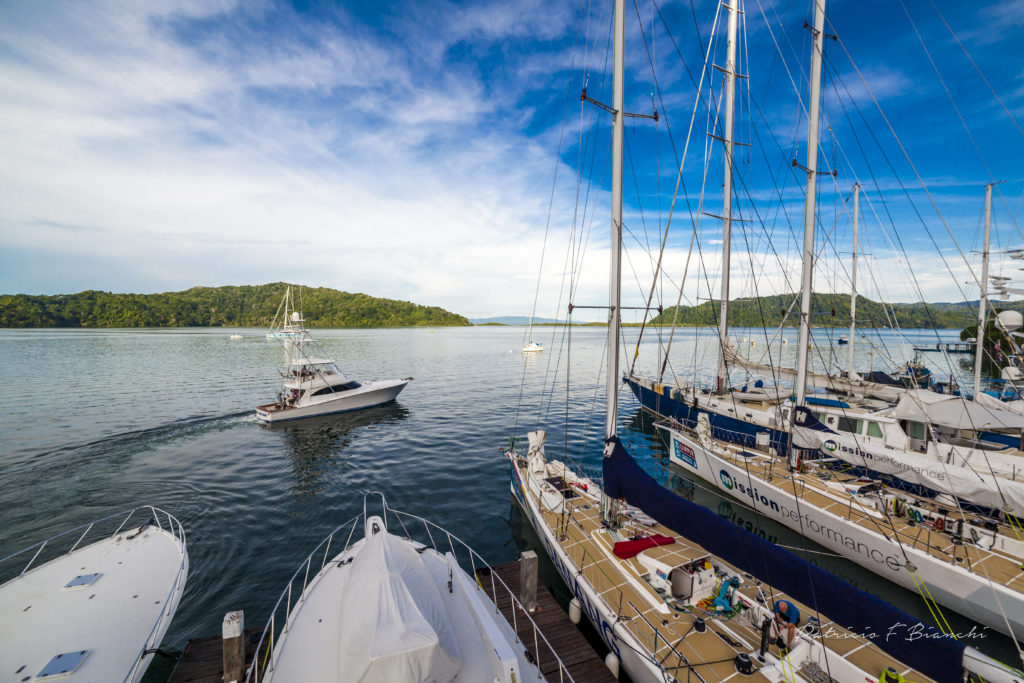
242	306
512	320
832	310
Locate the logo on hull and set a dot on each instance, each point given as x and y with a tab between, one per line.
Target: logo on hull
685	454
726	479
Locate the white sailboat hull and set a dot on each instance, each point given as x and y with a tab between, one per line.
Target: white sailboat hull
366	396
966	592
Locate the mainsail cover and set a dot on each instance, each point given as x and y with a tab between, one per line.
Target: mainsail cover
862	613
953	479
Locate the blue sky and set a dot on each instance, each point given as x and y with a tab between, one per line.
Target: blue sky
408	150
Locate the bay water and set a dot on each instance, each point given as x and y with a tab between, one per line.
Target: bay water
97	421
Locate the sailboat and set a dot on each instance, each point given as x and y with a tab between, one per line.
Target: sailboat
97	604
670	606
314	384
388	607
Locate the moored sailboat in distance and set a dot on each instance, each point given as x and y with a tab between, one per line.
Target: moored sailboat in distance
391	607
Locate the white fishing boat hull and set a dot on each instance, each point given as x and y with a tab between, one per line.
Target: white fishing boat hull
602	616
127	591
967	592
368	395
533	347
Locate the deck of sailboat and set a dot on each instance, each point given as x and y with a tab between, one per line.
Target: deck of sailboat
1001	569
636	603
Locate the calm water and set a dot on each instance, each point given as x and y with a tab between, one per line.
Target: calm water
93	422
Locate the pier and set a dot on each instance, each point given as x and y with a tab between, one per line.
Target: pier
947	347
576	653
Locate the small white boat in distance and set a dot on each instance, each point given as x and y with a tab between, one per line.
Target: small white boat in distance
98	604
314	385
390	608
532	347
235	337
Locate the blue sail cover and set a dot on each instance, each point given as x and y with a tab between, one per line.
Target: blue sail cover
862	613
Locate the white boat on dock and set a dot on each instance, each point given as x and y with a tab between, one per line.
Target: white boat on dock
391	608
95	611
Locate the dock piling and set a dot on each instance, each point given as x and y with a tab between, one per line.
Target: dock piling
528	580
232	631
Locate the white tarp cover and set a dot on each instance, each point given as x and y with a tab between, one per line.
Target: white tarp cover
962	482
394	626
1016	406
922	405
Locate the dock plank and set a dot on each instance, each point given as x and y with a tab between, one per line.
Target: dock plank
576	653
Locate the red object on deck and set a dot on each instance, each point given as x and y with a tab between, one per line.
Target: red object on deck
627	549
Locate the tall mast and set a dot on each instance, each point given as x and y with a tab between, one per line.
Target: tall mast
982	303
809	201
853	278
730	94
615	276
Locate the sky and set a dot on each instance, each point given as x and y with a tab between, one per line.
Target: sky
439	152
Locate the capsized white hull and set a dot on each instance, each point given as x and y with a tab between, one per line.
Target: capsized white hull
112	600
366	396
969	593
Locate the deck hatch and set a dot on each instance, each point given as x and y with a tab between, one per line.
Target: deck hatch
62	665
82	581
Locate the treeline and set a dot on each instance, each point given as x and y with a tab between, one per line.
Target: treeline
830	310
246	306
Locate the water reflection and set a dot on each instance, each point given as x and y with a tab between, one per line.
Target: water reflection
316	444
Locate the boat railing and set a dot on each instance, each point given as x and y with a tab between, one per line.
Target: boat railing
68	541
38	554
417	530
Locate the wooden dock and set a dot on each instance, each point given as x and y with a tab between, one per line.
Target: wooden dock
202	661
579	657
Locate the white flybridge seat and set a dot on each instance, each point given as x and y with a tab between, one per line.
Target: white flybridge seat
390	608
98	602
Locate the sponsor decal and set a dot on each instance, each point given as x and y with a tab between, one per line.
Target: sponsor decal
726	479
685	453
830	445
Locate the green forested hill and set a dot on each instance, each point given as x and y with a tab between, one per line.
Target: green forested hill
246	306
831	310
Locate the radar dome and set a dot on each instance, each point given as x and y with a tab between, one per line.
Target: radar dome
1011	320
296	317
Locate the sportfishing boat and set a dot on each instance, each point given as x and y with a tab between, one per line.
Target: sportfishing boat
92	603
315	385
673	589
387	607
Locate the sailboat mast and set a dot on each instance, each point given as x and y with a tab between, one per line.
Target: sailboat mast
721	379
979	349
809	201
853	276
615	277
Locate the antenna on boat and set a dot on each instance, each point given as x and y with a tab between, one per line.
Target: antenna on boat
809	201
979	349
721	379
